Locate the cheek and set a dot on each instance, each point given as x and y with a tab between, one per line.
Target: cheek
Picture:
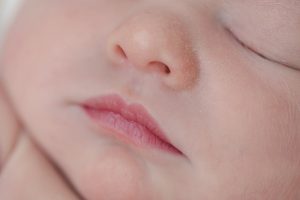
255	118
25	80
251	127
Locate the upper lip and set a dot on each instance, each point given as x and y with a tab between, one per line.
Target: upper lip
132	112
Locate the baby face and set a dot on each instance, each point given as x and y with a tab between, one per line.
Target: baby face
194	99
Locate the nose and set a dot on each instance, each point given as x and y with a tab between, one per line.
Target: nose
156	42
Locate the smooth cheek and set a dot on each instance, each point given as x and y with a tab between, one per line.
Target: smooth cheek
259	137
250	130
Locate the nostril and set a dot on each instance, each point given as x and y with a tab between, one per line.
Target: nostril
120	52
160	67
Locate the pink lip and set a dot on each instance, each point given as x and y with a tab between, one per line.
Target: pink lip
128	121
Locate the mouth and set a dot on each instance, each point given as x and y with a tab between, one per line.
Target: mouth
129	122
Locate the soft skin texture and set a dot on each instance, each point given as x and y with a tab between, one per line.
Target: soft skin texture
229	99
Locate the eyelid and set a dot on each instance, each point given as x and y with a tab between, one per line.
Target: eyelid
251	49
243	44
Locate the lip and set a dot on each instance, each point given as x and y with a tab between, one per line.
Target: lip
129	122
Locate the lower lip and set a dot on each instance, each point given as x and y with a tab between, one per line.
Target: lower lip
128	130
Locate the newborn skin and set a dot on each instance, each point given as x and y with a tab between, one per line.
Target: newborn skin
220	78
25	171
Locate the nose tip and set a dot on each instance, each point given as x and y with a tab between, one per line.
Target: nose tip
156	42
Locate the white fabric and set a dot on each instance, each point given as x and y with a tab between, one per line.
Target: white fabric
8	10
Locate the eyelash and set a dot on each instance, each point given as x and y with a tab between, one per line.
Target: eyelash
246	46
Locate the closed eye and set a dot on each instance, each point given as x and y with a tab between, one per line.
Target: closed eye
247	46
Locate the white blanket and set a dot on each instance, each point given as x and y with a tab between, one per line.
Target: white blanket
8	10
